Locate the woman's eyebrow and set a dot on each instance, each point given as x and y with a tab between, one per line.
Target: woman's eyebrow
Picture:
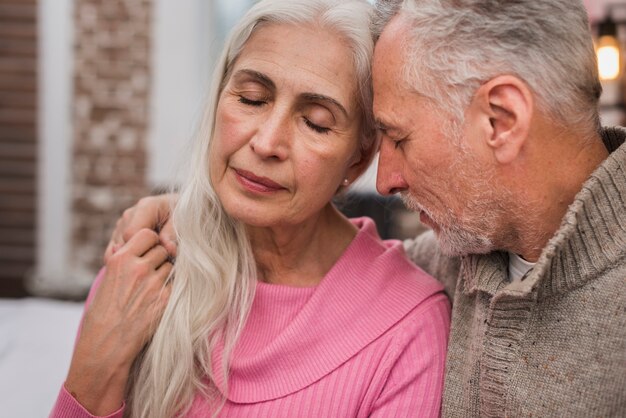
266	81
316	97
257	76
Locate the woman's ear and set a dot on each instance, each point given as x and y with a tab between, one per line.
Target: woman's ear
505	104
361	161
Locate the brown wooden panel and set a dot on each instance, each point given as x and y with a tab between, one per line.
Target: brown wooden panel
17	47
15	270
18	30
17	186
18	169
17	133
17	253
17	202
17	82
17	100
18	12
17	219
17	116
18	1
18	145
19	236
21	65
18	151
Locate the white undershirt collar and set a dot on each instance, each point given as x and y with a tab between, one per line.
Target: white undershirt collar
518	267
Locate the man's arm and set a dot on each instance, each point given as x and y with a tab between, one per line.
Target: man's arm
424	251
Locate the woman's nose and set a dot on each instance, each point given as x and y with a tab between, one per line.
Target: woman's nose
272	138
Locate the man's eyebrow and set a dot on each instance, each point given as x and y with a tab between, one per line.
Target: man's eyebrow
380	125
314	97
260	77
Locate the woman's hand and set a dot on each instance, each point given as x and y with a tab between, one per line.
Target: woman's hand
152	212
122	317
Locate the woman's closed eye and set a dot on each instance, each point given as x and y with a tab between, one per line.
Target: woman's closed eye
318	118
251	102
315	127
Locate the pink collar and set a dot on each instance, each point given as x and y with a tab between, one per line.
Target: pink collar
370	288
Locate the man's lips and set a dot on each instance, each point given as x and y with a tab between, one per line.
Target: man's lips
252	181
427	220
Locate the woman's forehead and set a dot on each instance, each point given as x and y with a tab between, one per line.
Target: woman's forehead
306	57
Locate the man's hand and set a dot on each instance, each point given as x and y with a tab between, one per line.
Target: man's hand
151	212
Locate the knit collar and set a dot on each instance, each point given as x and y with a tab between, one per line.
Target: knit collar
370	288
591	238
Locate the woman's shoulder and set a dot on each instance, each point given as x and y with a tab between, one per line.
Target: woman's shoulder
374	286
387	260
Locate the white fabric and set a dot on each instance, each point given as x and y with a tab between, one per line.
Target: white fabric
518	267
36	342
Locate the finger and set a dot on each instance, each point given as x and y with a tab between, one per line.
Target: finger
115	243
140	243
156	256
109	251
150	212
167	236
163	273
112	248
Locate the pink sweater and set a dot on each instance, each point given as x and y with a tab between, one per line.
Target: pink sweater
368	341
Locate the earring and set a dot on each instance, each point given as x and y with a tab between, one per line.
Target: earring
346	182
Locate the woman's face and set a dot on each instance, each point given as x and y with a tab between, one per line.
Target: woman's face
287	124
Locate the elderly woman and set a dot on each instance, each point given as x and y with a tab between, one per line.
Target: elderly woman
278	306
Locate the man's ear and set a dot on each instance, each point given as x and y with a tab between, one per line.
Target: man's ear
507	104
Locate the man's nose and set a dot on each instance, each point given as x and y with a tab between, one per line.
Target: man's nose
390	179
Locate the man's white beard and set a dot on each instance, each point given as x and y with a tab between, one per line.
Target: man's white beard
455	238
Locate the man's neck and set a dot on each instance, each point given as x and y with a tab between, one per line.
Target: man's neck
558	176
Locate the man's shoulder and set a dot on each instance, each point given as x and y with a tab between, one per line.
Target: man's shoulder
424	251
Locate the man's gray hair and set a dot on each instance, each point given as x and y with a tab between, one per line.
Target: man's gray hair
456	45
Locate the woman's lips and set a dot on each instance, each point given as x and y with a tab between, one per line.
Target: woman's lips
255	183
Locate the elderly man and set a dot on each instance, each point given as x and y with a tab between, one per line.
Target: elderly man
488	117
490	130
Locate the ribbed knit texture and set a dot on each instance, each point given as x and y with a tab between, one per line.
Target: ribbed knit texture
368	341
554	344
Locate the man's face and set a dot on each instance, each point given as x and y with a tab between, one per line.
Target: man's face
427	159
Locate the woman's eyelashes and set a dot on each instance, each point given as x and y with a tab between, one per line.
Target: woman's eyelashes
251	102
316	128
248	101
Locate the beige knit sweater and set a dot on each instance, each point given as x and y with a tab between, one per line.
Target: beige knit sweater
554	344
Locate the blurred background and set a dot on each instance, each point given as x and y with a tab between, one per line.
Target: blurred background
97	102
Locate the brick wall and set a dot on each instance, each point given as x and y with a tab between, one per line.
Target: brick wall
110	119
18	142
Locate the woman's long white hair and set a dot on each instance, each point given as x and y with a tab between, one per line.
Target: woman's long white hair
215	271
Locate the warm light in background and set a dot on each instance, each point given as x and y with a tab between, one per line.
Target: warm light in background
608	58
608	50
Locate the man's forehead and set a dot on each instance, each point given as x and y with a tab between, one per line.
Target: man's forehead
396	30
388	51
